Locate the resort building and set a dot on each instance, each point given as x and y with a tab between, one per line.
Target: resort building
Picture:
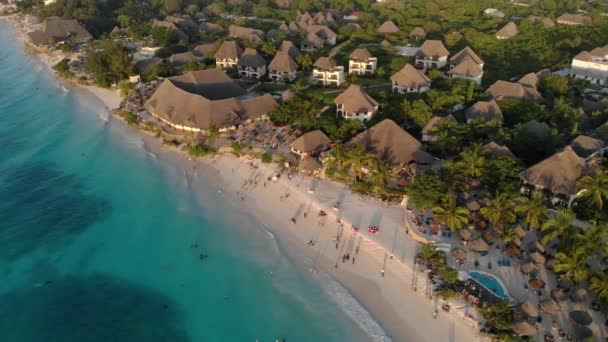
56	30
282	67
198	100
355	103
326	72
432	54
180	59
466	64
206	26
252	35
427	131
410	80
417	33
181	36
361	62
309	144
289	47
483	110
587	147
574	19
388	27
325	33
311	42
508	31
228	55
492	149
592	66
509	90
205	51
251	64
556	177
391	143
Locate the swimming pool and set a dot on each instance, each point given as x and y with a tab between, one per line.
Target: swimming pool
491	283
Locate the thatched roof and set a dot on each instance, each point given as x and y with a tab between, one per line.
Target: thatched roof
388	27
536	283
495	150
206	26
309	165
550	307
524	328
536	246
355	100
508	31
538	258
580	19
520	231
308	142
251	58
55	29
585	146
510	90
512	251
465	53
180	59
283	62
538	129
360	54
528	267
289	47
181	35
417	33
411	77
432	49
391	143
558	295
466	234
580	295
459	253
385	43
529	308
478	245
559	173
253	35
229	50
325	63
485	110
581	317
436	120
531	79
287	95
205	50
466	68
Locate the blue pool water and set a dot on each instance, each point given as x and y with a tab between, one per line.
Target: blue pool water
100	238
490	283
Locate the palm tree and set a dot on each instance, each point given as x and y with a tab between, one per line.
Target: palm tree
593	238
451	214
509	235
451	175
359	159
599	285
500	210
534	210
574	265
594	189
473	161
337	158
213	133
435	100
559	227
379	174
305	61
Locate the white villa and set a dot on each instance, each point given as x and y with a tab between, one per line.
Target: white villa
326	72
361	62
251	64
432	54
228	55
410	80
592	66
355	103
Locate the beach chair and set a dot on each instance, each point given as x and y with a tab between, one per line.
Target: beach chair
489	265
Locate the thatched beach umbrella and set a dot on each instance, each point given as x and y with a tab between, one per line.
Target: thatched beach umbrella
520	232
536	283
473	205
582	333
550	307
529	309
478	245
528	267
524	328
536	246
490	236
513	251
580	295
459	253
558	295
550	264
538	258
466	234
517	242
581	317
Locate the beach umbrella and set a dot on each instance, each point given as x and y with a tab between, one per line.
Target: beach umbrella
520	232
581	317
513	251
529	309
524	328
580	295
481	224
486	202
536	246
558	295
478	245
490	236
550	307
582	333
517	242
550	264
538	258
528	267
466	234
459	253
473	205
536	283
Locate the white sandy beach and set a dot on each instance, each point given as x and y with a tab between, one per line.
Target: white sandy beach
404	313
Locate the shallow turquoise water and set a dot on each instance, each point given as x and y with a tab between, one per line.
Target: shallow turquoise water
96	237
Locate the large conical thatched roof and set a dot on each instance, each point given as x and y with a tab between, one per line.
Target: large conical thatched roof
356	100
529	308
558	173
388	27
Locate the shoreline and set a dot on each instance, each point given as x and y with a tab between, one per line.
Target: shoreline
389	298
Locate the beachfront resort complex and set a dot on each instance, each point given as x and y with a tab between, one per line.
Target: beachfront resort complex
486	126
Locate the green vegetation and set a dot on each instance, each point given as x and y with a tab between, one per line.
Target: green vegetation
499	317
63	68
266	158
125	88
200	150
130	118
238	148
109	63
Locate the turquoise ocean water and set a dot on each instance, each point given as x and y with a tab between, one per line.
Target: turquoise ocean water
97	235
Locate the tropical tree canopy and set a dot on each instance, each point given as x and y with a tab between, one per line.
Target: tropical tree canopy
594	189
500	210
533	209
450	214
560	227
